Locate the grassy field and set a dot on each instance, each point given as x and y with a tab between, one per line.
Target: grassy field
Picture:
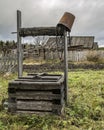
85	110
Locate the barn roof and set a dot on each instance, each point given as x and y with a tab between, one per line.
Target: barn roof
85	42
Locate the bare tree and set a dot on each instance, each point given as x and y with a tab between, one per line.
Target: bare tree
40	42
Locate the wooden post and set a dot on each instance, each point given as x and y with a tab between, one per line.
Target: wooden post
19	46
66	66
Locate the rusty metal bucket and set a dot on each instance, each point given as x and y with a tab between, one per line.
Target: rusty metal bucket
66	21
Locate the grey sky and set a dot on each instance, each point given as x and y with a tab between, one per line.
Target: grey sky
89	16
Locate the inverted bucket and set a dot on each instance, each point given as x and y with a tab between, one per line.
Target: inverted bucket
66	21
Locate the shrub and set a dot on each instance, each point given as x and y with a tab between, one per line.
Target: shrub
93	56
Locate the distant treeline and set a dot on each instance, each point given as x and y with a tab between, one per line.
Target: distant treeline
7	46
101	48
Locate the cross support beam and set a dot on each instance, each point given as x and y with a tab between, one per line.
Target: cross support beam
38	31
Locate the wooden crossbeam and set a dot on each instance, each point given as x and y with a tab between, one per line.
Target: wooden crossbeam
38	31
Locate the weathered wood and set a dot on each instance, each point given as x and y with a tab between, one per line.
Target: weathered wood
66	65
62	97
40	77
19	45
12	105
38	80
29	95
8	63
33	86
34	105
44	95
37	105
33	112
38	31
44	74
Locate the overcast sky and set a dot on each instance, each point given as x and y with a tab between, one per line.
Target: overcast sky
89	16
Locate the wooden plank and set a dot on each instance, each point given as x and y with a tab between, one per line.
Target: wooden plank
38	31
37	105
34	105
54	77
58	79
33	87
33	112
37	80
43	74
36	95
35	83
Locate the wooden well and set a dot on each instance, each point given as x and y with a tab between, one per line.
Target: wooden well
37	93
40	93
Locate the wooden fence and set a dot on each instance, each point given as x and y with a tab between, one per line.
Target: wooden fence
8	63
82	55
77	55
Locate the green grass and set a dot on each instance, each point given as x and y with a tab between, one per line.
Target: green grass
85	110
